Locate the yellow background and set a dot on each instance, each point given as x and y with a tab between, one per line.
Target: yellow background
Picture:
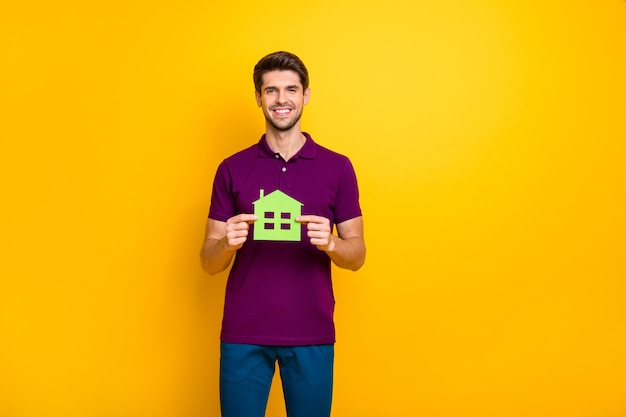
489	141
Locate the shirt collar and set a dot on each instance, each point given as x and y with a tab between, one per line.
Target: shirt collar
307	151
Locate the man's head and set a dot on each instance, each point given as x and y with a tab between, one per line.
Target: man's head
281	83
280	61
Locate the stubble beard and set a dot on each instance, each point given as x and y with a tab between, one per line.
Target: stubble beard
284	127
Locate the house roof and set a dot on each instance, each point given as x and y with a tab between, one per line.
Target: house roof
277	198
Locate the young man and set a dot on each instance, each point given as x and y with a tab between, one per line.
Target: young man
274	207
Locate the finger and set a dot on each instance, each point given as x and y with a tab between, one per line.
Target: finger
244	217
237	238
310	219
318	235
315	222
238	226
237	230
236	243
320	242
318	227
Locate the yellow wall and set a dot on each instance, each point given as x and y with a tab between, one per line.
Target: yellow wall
489	139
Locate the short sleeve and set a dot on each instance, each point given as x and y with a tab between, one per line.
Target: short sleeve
222	202
347	200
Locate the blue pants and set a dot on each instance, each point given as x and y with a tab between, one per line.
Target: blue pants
246	373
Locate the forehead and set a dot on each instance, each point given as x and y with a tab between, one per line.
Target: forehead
279	78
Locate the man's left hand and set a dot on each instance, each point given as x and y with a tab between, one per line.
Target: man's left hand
319	231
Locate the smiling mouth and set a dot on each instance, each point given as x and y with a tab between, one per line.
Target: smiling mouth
282	111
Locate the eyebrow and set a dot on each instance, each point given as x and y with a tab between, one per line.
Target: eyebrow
274	87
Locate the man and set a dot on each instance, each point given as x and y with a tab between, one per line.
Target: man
274	207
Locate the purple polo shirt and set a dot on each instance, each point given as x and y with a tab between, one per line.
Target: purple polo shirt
280	292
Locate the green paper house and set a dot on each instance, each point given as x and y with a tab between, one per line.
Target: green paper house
277	214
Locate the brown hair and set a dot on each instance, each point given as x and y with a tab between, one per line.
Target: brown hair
281	61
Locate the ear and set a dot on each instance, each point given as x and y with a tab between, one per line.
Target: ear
307	95
257	97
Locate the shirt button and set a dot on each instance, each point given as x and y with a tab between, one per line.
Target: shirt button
277	156
284	169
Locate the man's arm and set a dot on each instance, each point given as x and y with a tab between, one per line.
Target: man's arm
221	241
346	250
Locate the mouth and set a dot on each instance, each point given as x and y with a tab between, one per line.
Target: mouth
282	111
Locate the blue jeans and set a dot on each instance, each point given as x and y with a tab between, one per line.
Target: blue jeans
246	373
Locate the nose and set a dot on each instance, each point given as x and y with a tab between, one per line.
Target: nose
282	97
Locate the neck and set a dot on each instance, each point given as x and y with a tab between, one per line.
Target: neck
286	143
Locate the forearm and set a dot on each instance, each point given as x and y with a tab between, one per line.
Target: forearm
347	253
222	240
215	256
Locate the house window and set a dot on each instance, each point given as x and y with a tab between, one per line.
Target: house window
285	215
285	226
269	214
268	226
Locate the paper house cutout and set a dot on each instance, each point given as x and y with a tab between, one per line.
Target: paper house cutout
277	214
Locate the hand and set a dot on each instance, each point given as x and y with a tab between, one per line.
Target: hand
318	231
237	230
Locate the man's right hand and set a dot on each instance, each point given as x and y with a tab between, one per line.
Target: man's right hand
237	230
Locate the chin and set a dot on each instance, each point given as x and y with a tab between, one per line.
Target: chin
283	127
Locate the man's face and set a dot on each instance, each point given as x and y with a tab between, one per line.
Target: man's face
282	99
